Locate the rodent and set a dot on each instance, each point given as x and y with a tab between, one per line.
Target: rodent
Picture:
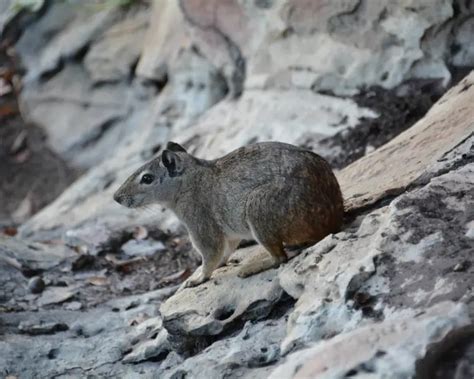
278	194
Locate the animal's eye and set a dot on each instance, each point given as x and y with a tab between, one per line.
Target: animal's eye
147	179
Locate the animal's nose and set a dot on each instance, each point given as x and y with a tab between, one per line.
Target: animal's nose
118	198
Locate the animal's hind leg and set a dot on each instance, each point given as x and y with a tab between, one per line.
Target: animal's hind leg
229	248
258	264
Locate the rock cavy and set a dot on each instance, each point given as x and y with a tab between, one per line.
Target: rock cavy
277	194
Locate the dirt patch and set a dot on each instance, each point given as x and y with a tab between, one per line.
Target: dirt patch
115	275
85	281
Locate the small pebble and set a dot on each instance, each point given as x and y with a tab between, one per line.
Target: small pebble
460	267
36	285
73	306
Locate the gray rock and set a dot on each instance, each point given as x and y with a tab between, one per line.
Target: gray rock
113	55
319	278
55	295
36	284
101	345
388	349
361	271
10	8
249	354
90	238
42	328
164	38
142	248
32	256
421	152
368	301
73	115
73	306
225	299
62	32
424	236
150	349
292	116
362	45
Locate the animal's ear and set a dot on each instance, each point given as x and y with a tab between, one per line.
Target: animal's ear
176	147
172	162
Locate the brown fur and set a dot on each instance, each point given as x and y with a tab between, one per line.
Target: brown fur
279	194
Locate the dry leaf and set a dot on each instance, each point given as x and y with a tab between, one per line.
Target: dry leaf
177	276
5	88
10	231
55	295
98	280
122	265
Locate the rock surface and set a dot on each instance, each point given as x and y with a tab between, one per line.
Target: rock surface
447	124
393	347
362	43
88	288
216	305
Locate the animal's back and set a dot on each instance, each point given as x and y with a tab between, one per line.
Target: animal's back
281	190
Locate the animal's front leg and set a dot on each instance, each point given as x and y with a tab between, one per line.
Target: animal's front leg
212	251
196	278
202	273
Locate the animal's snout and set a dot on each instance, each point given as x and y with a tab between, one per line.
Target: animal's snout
119	198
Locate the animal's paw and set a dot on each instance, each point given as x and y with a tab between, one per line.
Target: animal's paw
247	270
256	266
194	280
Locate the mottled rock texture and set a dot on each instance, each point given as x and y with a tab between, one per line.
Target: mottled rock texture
391	294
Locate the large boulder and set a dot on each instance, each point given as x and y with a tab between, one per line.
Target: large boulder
337	46
387	294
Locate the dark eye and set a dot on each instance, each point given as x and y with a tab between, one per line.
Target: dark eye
147	179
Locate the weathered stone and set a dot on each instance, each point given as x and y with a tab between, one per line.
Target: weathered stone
209	308
73	306
270	115
92	238
319	278
249	354
36	284
31	256
42	328
62	33
74	116
150	349
424	237
142	248
55	295
10	8
164	38
362	45
410	154
373	289
195	86
113	55
103	339
356	275
392	347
